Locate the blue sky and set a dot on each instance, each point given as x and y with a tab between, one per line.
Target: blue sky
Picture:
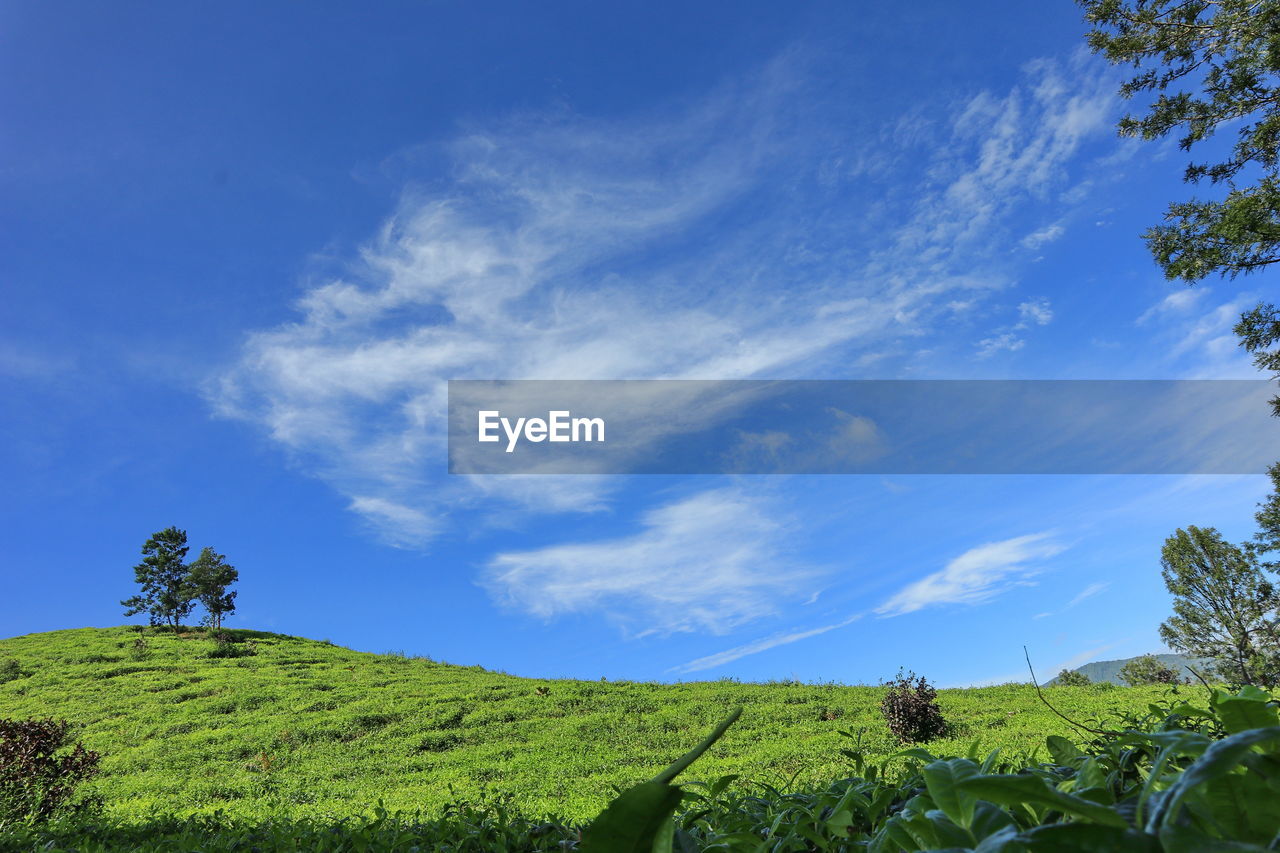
243	246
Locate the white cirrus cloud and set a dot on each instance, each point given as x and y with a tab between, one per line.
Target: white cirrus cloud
756	647
669	245
975	576
709	562
1042	237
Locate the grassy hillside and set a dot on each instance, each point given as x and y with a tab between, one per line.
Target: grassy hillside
304	728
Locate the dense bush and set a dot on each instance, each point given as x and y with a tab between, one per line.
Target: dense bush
139	649
10	670
1071	678
1147	670
38	774
229	645
910	709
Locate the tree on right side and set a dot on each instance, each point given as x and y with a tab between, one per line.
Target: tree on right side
1224	607
1211	65
166	596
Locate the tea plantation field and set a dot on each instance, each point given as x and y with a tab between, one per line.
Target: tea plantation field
306	729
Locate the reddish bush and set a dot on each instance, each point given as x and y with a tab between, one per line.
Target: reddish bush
911	709
38	775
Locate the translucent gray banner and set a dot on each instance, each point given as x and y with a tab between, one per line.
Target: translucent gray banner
861	427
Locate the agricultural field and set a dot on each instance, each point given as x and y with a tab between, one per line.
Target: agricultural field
305	729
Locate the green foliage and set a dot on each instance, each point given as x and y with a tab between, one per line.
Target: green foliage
911	710
1146	670
1267	539
166	596
38	774
1178	779
170	588
1259	333
10	670
139	649
1071	678
639	819
227	645
1211	65
210	578
1226	49
179	732
1224	608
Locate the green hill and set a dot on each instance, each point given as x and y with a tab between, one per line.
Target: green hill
307	728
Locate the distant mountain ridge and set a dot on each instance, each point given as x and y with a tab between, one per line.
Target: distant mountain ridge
1109	670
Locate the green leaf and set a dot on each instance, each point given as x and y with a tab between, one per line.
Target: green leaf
942	778
634	821
989	819
1017	790
639	819
1063	751
1218	760
676	767
1086	838
1248	709
1187	840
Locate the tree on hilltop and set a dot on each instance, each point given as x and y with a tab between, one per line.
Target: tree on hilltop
1147	669
1071	678
166	595
209	577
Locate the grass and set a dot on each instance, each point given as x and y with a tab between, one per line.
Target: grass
304	729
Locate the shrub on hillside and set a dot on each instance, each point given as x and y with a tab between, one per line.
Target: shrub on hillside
140	649
1147	670
230	646
10	670
1071	678
911	709
38	774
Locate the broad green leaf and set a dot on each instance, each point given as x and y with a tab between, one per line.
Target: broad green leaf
1015	790
676	767
1248	709
634	821
1219	759
639	819
1187	840
1086	838
989	819
1063	751
942	778
1006	839
1243	807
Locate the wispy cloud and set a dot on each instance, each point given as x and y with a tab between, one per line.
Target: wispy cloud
730	655
1036	312
1004	342
1088	592
704	241
1043	236
1199	338
709	562
977	575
